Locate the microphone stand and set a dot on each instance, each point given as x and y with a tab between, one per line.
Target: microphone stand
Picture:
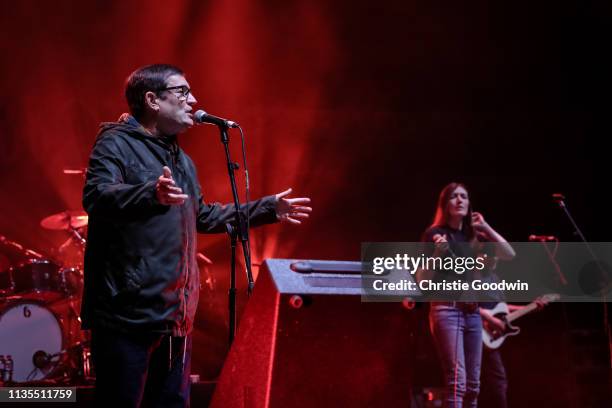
231	231
553	260
560	200
238	231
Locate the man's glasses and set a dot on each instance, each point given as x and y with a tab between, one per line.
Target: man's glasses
181	91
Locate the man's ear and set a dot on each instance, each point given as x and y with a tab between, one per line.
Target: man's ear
151	100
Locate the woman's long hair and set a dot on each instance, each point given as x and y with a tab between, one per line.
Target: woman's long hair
441	217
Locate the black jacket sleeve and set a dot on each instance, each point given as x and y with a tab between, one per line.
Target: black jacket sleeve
106	191
212	218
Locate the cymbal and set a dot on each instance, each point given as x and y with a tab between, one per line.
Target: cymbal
65	220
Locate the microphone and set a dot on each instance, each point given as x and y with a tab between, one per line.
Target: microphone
449	249
41	360
559	199
542	238
203	117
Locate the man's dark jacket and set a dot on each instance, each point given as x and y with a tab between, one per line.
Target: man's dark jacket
141	272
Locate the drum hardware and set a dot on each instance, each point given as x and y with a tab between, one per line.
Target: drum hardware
47	363
18	248
78	237
11	244
88	373
74	312
78	366
70	319
74	238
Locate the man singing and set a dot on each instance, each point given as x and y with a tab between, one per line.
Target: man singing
141	276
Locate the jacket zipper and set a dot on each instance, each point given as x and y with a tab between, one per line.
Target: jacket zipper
186	259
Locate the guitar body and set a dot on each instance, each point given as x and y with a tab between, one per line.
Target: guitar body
492	337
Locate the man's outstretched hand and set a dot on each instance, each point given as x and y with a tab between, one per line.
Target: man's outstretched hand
291	209
167	192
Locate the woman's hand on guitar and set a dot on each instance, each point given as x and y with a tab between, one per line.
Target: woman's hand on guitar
493	325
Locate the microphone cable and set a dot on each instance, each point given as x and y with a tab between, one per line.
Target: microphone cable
247	182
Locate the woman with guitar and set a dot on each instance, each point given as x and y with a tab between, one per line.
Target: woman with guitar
456	327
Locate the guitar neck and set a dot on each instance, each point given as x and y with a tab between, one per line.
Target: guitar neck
521	312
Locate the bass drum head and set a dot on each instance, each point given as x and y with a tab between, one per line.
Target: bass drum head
25	329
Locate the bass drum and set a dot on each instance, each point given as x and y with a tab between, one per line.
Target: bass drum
31	334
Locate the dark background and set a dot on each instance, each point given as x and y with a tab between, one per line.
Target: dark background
369	108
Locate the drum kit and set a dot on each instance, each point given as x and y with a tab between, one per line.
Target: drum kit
40	299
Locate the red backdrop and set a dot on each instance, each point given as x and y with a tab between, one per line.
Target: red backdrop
369	110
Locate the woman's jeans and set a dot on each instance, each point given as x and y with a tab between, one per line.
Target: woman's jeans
457	333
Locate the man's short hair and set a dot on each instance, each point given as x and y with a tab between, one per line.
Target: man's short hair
144	79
